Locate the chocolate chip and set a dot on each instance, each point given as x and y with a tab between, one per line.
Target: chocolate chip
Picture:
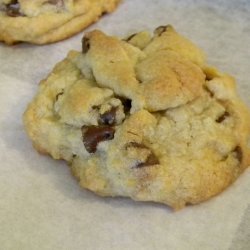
92	135
238	153
104	12
12	12
13	9
222	117
151	159
85	44
108	118
208	77
161	29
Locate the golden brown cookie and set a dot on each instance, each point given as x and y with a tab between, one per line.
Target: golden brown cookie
144	117
48	21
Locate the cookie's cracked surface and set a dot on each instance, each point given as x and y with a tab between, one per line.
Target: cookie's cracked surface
47	21
143	117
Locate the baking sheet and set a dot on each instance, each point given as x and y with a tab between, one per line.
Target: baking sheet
42	206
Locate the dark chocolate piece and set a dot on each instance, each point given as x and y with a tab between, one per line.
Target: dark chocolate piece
222	117
151	159
13	9
92	135
108	118
238	152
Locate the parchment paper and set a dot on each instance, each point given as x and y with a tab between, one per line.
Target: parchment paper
42	206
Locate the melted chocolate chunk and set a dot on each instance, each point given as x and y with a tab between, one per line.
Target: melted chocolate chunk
161	29
92	135
85	44
13	9
151	160
222	117
208	77
108	118
238	152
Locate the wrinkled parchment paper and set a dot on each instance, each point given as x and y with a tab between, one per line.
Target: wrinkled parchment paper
42	206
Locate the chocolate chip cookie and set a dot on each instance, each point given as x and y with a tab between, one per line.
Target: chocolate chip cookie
48	21
144	117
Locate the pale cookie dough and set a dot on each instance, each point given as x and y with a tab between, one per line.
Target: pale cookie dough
143	117
48	21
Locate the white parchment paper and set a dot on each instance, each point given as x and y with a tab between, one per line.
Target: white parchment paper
42	206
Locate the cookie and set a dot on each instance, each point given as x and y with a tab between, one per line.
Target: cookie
48	21
144	117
